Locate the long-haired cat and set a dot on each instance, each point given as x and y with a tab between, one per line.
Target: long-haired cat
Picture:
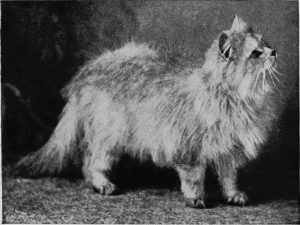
133	101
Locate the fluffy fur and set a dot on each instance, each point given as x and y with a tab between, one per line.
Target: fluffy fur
133	101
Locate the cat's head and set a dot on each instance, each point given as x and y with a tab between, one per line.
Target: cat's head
242	58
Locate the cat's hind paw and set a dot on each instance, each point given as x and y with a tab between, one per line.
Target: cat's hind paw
195	203
107	188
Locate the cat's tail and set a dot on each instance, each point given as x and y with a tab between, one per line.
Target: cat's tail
58	151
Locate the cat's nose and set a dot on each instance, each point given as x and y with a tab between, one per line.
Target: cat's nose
273	53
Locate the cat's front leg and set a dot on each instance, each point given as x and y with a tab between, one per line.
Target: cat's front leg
227	175
192	184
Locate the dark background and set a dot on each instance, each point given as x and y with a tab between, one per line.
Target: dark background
44	43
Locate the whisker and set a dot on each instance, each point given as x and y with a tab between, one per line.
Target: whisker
271	76
256	79
277	71
264	80
275	76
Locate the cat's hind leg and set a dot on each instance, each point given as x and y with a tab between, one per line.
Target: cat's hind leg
96	169
103	140
226	169
192	184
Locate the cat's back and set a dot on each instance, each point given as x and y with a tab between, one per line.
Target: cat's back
131	53
133	63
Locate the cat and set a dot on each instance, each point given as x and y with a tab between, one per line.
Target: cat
132	101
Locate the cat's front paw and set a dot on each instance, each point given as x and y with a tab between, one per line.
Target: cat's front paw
107	188
195	203
238	198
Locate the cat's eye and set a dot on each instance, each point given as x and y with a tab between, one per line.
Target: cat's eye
255	54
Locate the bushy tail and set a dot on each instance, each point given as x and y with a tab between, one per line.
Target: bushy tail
54	155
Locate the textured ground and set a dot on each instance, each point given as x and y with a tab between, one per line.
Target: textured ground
59	200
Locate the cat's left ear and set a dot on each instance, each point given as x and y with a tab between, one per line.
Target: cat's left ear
239	25
225	46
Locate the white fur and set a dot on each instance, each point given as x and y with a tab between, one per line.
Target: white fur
129	100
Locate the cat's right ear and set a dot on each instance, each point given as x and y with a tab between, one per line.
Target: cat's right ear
224	46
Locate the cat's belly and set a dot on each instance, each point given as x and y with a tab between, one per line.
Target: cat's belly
149	138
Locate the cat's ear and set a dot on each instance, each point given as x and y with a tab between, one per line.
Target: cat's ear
239	25
224	46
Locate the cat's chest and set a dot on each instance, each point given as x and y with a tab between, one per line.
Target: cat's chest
225	107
